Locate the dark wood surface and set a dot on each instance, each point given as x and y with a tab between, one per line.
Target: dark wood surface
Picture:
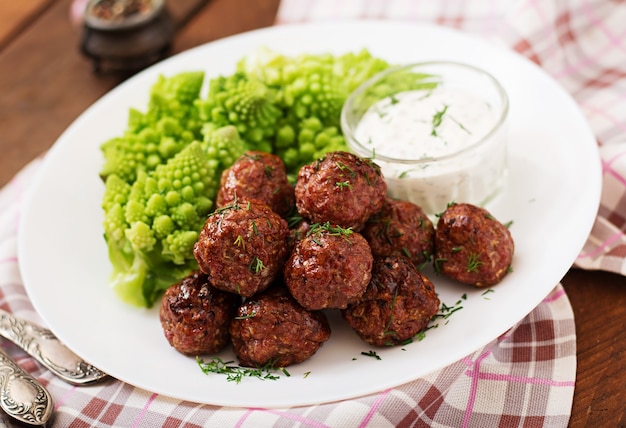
45	83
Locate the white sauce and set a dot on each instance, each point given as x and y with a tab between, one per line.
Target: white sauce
425	124
422	125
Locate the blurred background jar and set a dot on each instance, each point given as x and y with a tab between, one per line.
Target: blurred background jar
123	35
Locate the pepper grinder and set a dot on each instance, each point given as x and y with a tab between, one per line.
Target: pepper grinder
126	35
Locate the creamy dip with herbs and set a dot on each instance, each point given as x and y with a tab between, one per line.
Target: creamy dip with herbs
425	124
405	132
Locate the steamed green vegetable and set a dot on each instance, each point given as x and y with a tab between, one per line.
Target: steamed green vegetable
162	174
170	123
151	226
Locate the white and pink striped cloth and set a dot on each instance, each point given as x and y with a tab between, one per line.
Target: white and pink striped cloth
523	378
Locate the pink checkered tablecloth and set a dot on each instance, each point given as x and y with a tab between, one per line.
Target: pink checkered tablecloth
525	377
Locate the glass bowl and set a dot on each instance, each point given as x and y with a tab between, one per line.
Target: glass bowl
437	130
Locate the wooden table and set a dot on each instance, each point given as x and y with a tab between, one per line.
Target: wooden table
45	83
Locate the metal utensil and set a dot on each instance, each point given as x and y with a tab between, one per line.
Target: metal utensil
21	396
45	347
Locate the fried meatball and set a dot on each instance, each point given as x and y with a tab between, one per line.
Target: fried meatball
401	228
340	188
471	246
257	176
329	268
242	247
272	328
398	303
195	316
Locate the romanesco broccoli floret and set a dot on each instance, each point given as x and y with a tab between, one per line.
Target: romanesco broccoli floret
170	123
312	139
356	67
175	97
151	226
318	92
223	144
245	103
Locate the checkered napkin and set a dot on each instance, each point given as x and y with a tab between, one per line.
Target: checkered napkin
523	378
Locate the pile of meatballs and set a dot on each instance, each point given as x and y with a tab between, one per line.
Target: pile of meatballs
273	258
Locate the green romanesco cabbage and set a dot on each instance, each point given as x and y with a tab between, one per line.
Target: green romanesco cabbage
152	225
246	103
224	144
312	141
170	123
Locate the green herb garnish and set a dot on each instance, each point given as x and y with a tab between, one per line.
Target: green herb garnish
473	262
372	354
256	265
484	293
236	373
318	228
343	184
437	119
240	242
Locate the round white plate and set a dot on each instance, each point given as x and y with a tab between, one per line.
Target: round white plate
552	197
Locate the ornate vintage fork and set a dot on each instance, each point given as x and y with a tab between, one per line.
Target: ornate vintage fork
21	396
45	347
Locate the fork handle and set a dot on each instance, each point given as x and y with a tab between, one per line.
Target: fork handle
21	396
47	349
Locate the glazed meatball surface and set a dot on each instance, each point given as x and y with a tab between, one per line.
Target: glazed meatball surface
257	176
329	268
272	328
340	188
242	247
471	246
195	316
401	228
398	304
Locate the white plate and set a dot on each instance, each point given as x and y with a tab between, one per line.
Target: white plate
552	198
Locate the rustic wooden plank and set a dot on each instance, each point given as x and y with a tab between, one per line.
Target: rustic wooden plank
15	15
45	84
599	303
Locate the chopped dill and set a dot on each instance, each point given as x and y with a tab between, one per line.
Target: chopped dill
240	242
484	293
473	262
319	228
236	373
256	265
437	263
343	184
345	168
372	354
437	119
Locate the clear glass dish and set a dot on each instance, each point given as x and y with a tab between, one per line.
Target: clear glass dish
437	130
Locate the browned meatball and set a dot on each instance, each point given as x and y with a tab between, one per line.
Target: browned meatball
329	268
272	328
242	247
260	176
471	246
195	316
340	188
398	304
401	228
